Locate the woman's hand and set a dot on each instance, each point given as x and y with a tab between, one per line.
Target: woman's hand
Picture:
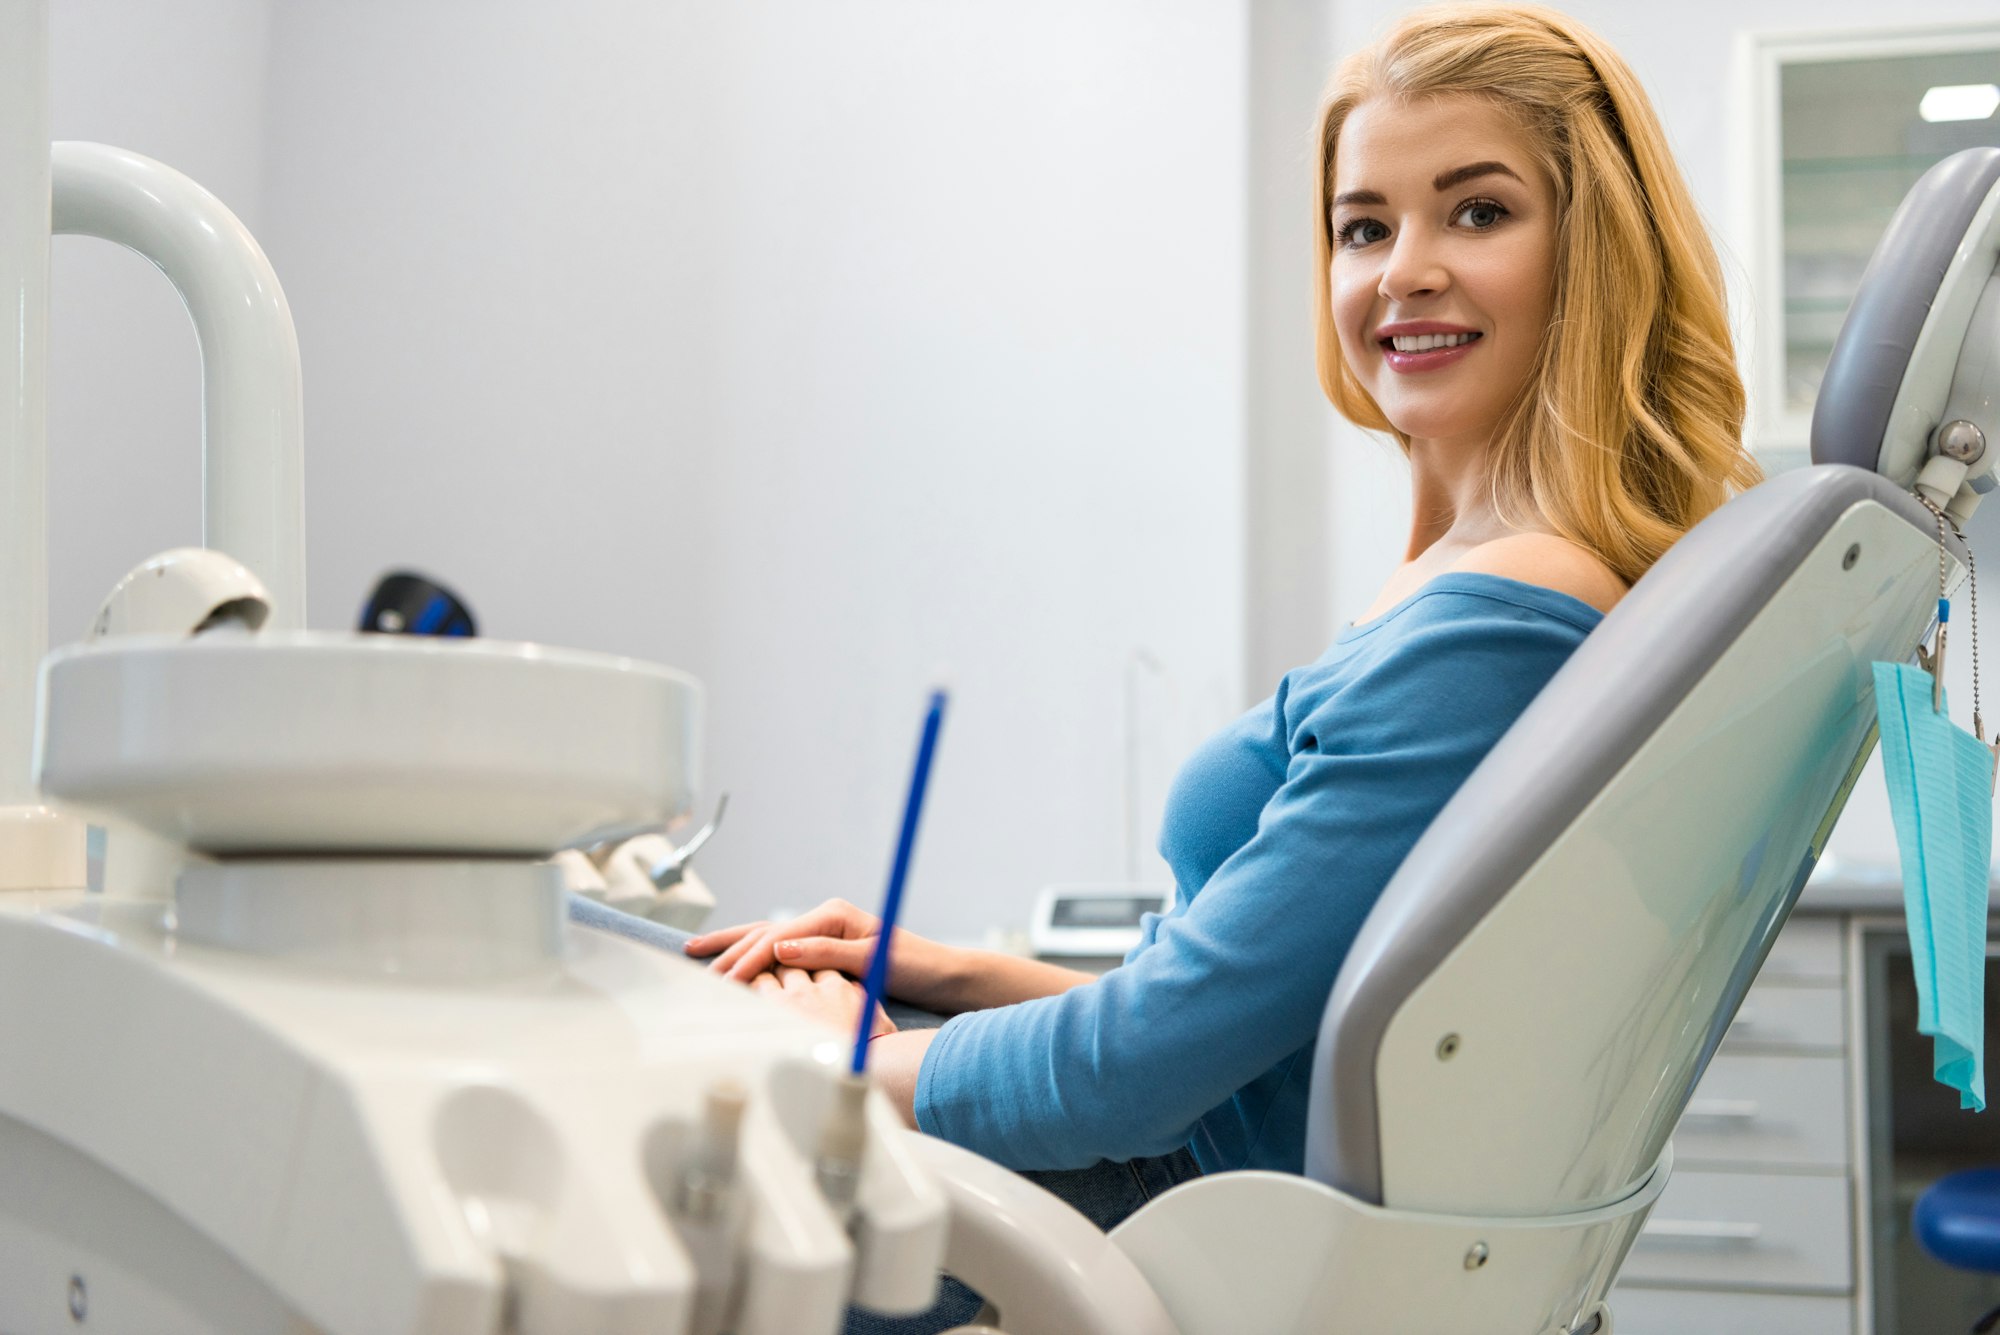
744	952
826	996
836	935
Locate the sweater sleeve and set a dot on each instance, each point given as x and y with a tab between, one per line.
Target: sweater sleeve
1127	1065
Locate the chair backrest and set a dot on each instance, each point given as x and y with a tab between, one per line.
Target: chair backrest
1523	1016
1887	380
1518	1026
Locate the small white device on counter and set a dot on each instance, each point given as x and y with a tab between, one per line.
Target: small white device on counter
1093	921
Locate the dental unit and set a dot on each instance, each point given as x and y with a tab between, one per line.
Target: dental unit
342	1066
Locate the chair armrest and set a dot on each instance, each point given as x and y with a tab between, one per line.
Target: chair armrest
1047	1268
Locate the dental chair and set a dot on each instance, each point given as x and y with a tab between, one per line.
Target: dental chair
1527	1009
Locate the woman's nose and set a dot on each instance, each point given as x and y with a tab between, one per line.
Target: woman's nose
1414	269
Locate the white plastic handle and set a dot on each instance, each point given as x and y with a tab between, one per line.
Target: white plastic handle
252	412
1723	1110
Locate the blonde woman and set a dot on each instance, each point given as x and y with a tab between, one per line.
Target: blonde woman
1513	283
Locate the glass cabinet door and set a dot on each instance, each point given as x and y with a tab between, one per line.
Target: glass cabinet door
1858	119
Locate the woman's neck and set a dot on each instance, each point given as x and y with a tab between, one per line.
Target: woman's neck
1452	509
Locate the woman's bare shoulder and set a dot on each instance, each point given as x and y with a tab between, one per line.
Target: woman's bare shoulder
1550	561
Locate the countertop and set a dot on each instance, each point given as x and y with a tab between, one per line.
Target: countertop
1841	886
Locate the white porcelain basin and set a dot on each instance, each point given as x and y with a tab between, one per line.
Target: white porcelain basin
309	742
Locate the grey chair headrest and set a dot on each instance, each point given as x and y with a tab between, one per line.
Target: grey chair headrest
1905	287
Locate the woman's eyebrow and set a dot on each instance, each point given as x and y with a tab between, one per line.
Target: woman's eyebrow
1460	175
1443	181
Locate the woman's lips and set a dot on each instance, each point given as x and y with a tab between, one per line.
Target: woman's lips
1409	363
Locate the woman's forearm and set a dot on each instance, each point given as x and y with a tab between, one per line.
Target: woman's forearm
893	1063
977	980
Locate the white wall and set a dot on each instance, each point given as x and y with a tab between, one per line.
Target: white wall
815	349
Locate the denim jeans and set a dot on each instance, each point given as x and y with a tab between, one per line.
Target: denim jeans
1105	1193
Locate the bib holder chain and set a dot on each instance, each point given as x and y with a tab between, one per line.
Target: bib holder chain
1933	662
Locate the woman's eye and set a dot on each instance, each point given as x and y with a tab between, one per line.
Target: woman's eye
1480	214
1361	232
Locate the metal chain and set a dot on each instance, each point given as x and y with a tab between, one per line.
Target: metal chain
1942	568
1972	579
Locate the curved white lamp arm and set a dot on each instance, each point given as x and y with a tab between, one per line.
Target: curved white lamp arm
1048	1269
253	491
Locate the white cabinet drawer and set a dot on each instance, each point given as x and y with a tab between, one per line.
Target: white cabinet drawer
1790	1016
1747	1230
1693	1312
1759	1109
1808	950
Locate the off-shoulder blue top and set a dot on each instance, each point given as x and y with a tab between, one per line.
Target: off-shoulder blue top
1281	832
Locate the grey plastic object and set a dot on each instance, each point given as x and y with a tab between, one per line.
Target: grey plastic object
1569	745
1872	353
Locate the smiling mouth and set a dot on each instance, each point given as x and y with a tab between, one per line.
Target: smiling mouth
1408	343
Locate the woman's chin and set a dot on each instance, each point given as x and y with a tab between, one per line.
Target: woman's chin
1422	426
1439	422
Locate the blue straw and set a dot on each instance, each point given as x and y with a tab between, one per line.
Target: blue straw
878	963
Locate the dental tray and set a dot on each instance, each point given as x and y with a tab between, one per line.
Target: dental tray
234	744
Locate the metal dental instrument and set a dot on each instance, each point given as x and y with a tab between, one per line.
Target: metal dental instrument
666	873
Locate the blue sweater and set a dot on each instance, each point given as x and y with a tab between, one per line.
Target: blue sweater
1281	831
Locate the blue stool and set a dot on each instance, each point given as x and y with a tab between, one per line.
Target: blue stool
1957	1220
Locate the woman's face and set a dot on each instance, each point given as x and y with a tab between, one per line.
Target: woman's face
1444	257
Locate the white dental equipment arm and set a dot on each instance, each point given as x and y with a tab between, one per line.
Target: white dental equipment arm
253	506
253	457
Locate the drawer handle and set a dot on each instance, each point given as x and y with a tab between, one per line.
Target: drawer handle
1725	1110
1702	1230
1746	1016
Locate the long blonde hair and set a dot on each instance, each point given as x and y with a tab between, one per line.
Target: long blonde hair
1630	428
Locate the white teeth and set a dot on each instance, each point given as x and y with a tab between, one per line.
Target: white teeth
1425	342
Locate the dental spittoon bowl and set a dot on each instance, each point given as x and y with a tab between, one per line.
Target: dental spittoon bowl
236	745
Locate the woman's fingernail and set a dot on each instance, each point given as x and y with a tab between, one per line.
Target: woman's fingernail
788	950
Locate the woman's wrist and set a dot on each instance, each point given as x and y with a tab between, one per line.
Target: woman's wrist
990	978
953	979
937	977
